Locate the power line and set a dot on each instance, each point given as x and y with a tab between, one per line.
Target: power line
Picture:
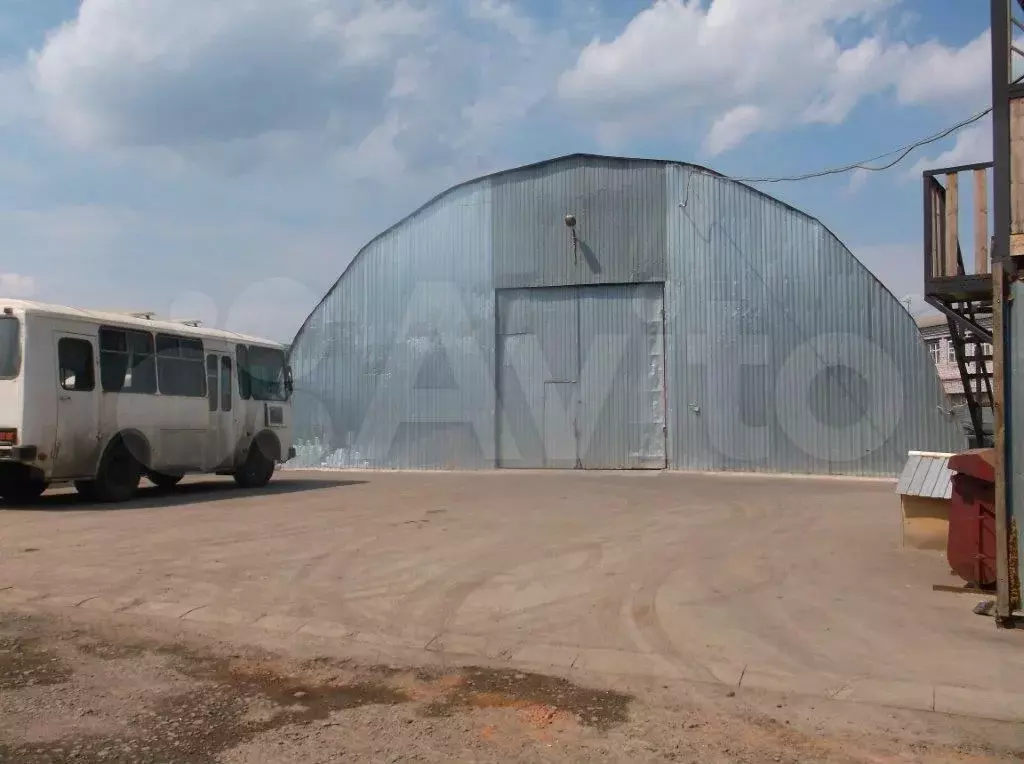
901	153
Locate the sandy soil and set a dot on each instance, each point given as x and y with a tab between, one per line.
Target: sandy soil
96	688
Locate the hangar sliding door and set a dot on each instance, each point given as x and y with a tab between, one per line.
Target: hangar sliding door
581	377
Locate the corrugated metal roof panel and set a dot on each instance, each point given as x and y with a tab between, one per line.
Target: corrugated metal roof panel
910	470
927	475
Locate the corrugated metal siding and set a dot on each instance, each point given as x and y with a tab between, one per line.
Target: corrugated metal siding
927	475
1014	328
395	368
620	211
784	353
781	352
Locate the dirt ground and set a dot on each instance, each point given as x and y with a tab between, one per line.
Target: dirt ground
113	690
494	617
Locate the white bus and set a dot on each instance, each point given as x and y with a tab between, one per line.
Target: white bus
102	400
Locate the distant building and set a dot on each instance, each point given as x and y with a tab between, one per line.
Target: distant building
935	332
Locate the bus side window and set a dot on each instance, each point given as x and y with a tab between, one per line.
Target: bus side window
127	362
225	384
75	360
180	366
244	380
211	381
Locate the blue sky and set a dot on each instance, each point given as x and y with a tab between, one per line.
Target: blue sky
226	160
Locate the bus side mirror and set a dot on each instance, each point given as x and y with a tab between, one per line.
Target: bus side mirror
289	381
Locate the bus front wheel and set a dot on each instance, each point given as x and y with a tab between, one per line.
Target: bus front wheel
257	469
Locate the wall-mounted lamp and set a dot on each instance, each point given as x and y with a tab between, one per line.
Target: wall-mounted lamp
570	221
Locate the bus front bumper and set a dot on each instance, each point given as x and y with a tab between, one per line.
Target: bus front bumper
19	453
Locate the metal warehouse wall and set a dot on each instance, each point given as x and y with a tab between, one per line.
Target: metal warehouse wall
781	352
395	367
785	354
620	209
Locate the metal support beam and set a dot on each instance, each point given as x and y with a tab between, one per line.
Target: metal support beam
1004	608
1000	42
1003	90
963	322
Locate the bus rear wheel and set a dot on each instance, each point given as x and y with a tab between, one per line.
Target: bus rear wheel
22	491
257	469
164	481
118	476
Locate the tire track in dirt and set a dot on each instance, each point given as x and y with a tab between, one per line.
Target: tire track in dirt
436	604
746	575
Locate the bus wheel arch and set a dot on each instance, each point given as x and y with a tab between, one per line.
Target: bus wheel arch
120	468
269	444
260	460
137	445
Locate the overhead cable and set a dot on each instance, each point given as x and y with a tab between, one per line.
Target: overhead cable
900	154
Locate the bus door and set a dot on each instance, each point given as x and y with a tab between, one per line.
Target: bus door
220	386
76	444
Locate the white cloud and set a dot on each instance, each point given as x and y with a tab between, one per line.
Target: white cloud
793	61
181	72
17	285
731	128
933	72
231	83
504	16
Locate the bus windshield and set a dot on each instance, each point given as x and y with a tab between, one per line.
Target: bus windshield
10	347
266	372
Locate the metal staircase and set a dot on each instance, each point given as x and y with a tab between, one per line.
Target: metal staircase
965	298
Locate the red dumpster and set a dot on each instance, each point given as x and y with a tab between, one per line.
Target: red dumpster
971	547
